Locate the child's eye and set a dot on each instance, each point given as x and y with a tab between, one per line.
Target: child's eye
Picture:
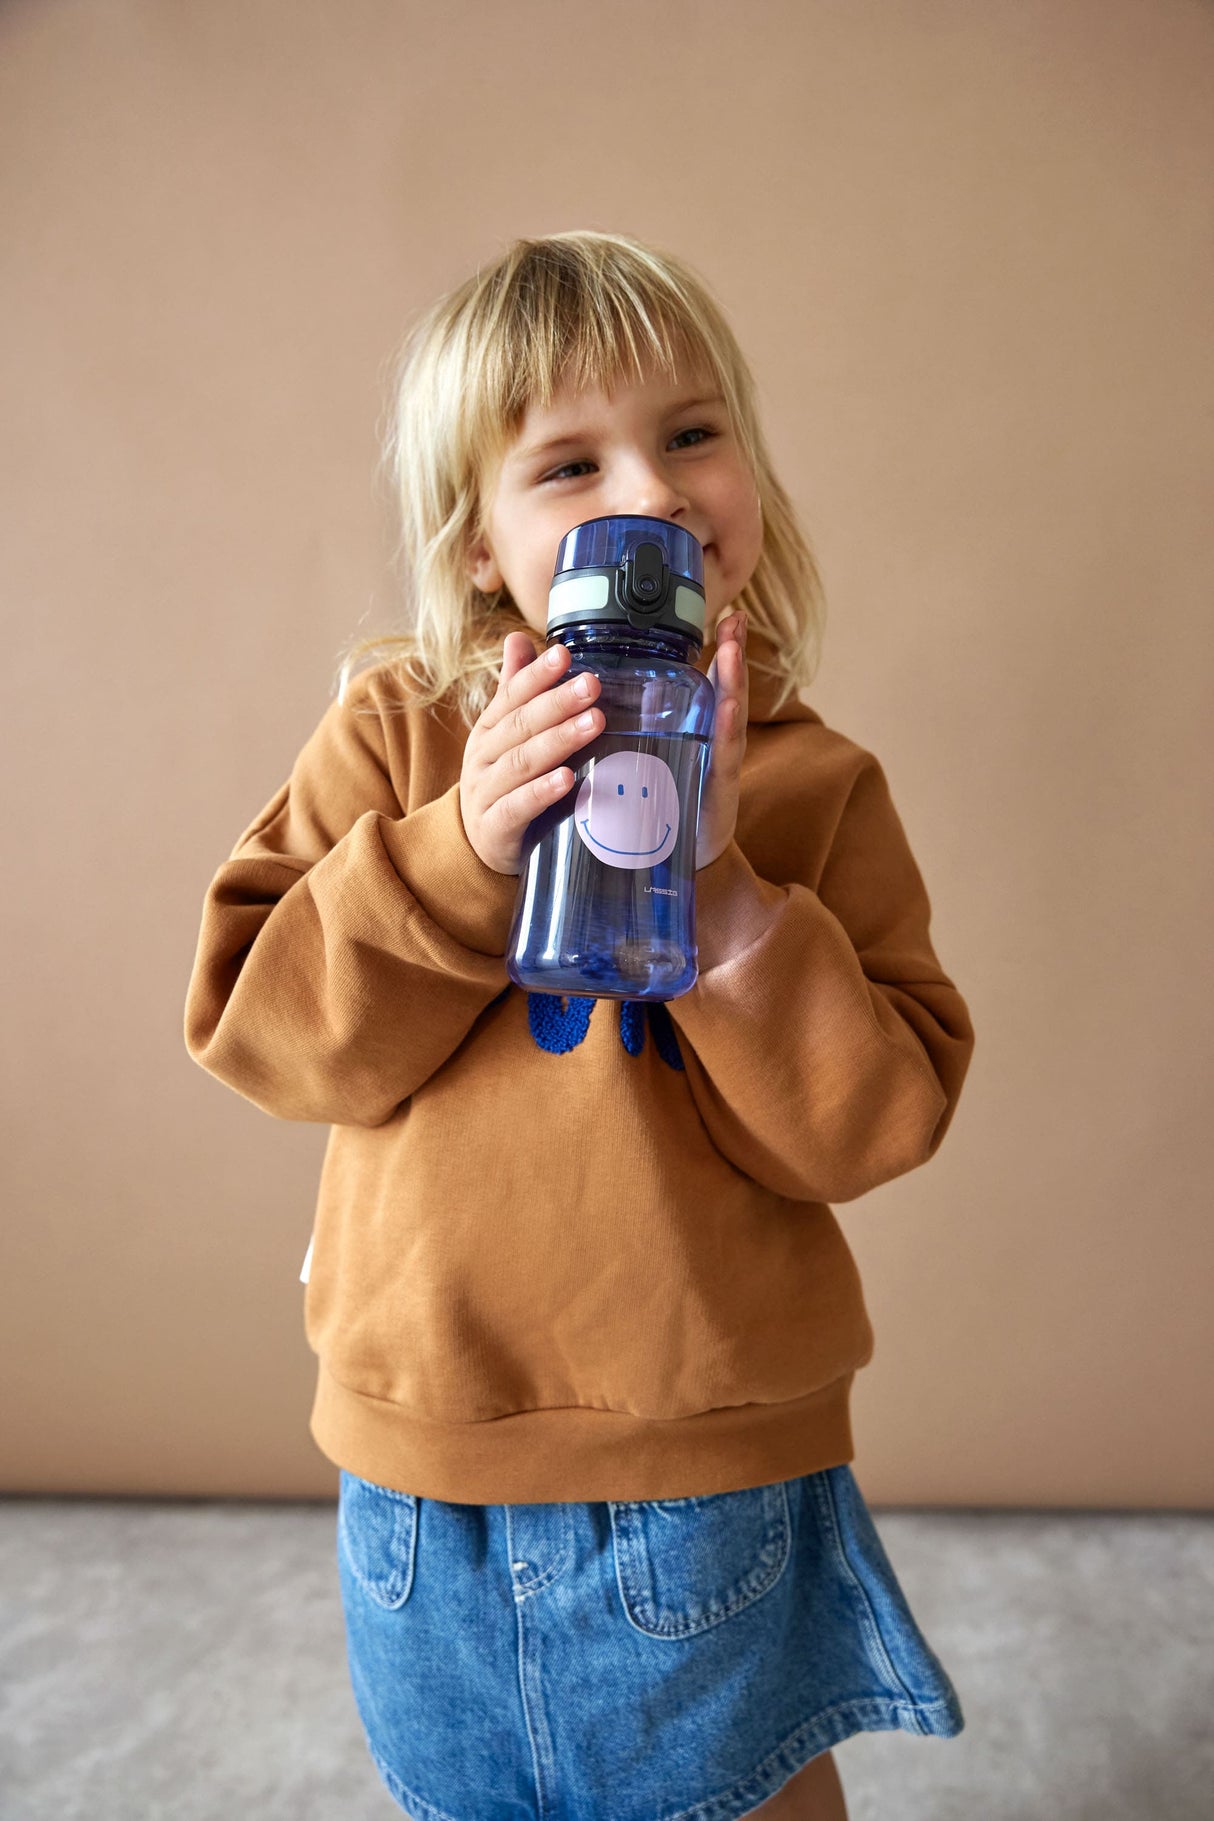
558	473
699	430
562	472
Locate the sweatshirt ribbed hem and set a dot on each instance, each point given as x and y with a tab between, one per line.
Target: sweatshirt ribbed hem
575	1453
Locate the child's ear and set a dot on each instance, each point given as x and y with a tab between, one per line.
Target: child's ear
485	570
482	567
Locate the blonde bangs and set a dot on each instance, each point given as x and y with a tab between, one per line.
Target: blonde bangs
588	312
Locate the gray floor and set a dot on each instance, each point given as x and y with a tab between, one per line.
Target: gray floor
186	1662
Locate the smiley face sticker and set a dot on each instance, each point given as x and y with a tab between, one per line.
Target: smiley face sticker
627	810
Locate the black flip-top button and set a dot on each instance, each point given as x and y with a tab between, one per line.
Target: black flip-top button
645	575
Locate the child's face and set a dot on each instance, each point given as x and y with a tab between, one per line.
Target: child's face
648	448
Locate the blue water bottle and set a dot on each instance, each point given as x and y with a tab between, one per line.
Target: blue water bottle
606	900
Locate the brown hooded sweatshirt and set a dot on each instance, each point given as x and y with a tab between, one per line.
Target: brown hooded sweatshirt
579	1249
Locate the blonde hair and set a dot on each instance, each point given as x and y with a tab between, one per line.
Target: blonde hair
588	308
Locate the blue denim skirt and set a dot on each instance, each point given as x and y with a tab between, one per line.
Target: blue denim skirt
664	1660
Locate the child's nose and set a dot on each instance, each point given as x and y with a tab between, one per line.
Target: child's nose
649	493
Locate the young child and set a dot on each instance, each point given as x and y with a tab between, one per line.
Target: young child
586	1325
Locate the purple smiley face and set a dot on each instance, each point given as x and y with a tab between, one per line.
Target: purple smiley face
627	809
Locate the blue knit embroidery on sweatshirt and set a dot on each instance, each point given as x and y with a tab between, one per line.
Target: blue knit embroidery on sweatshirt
664	1036
558	1023
632	1025
633	1013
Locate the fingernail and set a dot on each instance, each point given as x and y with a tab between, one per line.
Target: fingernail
552	657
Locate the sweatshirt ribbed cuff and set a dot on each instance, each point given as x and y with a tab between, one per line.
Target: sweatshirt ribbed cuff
431	851
734	907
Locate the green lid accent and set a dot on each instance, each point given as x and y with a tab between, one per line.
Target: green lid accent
581	594
689	606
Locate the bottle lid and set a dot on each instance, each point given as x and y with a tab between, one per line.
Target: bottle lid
605	542
629	570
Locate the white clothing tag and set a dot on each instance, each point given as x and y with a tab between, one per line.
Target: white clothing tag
307	1263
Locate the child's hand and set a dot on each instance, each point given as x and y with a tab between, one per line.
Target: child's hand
528	728
719	800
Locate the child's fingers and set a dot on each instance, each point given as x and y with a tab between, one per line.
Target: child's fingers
510	814
517	652
503	750
524	674
731	680
531	719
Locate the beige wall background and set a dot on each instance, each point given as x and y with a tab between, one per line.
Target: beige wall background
968	251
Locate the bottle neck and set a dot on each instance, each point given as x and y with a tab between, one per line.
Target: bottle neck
620	640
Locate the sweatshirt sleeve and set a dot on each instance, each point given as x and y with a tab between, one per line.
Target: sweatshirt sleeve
825	1047
346	947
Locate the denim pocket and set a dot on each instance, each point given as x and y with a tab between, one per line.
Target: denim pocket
377	1531
685	1564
